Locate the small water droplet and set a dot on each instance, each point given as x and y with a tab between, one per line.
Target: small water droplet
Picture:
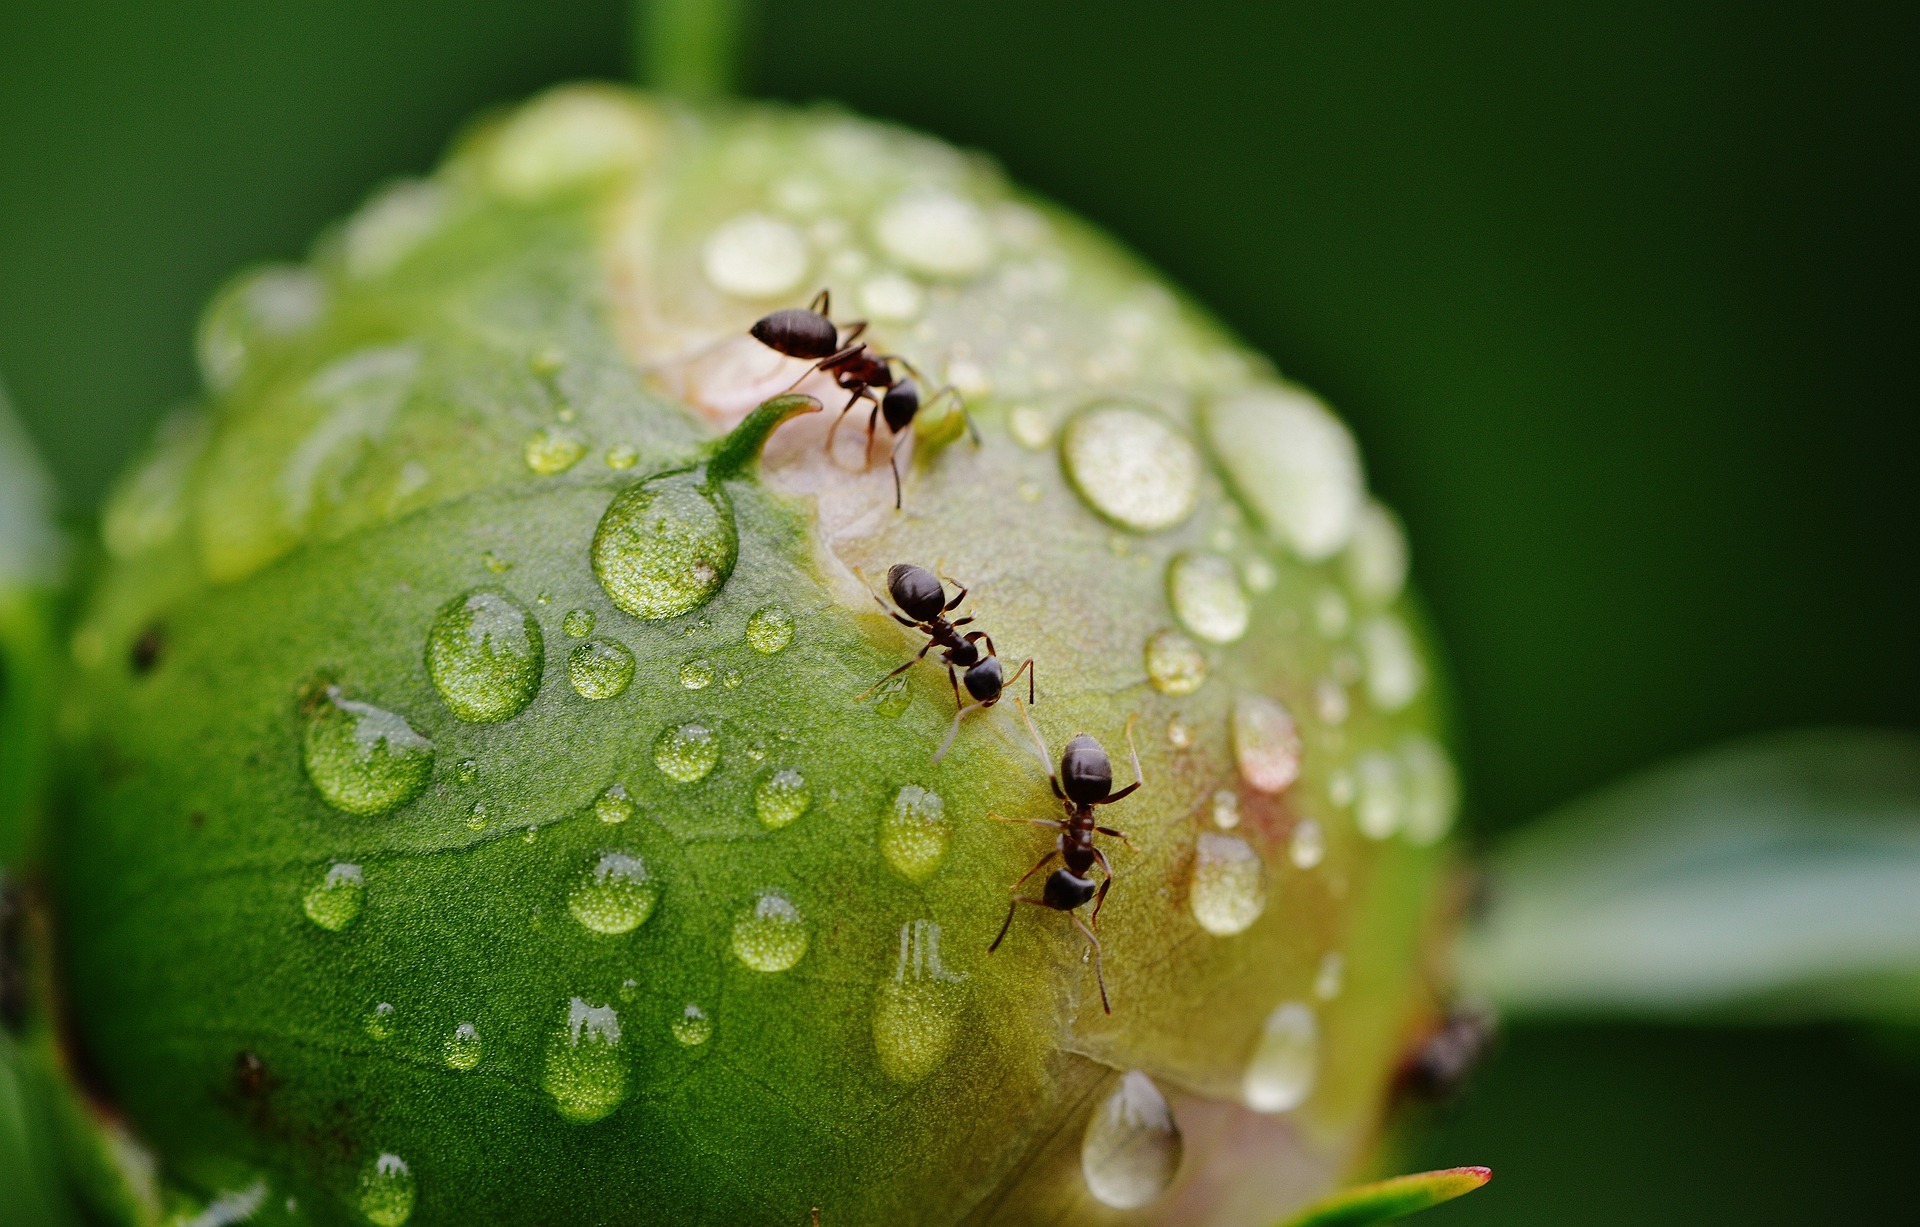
547	361
1394	672
477	816
769	629
532	834
916	1013
1179	733
1331	976
1259	574
891	297
334	902
549	452
485	655
1207	598
781	798
1132	1147
1175	663
463	1048
565	413
665	545
379	1023
363	759
600	668
935	232
466	771
1131	466
494	563
585	1073
629	989
891	698
696	674
613	806
1340	788
731	679
614	894
1229	886
1285	1061
1029	427
1433	790
1266	743
622	457
754	256
915	832
386	1191
1330	701
1307	846
1376	558
1226	809
1331	615
685	753
578	623
771	936
1293	463
1379	797
693	1028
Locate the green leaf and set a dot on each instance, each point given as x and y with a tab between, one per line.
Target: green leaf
1383	1201
30	565
28	1171
1774	879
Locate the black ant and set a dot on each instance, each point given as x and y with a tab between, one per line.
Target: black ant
923	606
1440	1066
809	333
1085	780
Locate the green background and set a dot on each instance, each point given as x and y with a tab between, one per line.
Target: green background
1620	298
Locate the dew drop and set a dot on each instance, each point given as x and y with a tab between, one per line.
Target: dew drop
771	936
1030	428
1379	795
466	771
685	753
665	545
693	1028
334	902
1229	887
1131	466
1433	790
1340	788
1281	1074
549	452
935	232
770	629
1376	558
891	698
600	669
613	806
916	1014
1294	464
1330	701
578	623
1132	1147
1179	733
1394	672
781	798
255	311
379	1022
386	1191
1207	598
731	679
585	1073
1331	977
696	674
477	816
1175	663
1307	845
363	759
915	832
1226	809
463	1048
754	256
494	563
1331	615
485	654
1266	743
613	895
1259	574
891	297
622	457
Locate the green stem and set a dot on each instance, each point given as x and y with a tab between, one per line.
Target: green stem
742	445
689	48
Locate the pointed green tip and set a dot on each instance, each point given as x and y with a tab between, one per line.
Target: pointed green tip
1386	1200
742	445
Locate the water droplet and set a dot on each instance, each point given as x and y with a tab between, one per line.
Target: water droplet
935	232
578	623
1307	846
1293	463
613	895
1340	788
891	297
1229	887
549	452
1331	615
379	1023
1175	663
891	698
334	902
693	1028
696	674
477	816
1330	701
494	563
1394	672
1132	1147
600	668
568	137
1226	809
1207	597
391	225
754	256
1376	558
585	1073
1179	733
781	798
485	654
363	759
769	629
771	936
916	1013
547	361
466	771
1331	976
731	679
1280	1076
1266	743
685	753
463	1048
622	457
1379	799
256	309
613	806
915	832
1131	466
665	545
1433	790
386	1191
1259	574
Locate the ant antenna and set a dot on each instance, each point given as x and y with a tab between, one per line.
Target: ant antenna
1039	742
955	730
1132	751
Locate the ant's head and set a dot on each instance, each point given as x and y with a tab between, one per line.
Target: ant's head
984	680
797	333
900	404
916	590
1085	774
1066	890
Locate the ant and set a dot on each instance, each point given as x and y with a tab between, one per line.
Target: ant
1085	780
809	333
923	606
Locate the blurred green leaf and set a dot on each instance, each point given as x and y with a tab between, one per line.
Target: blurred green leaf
1775	879
1383	1201
30	1193
30	566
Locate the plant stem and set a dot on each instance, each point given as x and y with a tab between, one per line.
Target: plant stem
688	48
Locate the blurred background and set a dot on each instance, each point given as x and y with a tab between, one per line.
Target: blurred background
1619	296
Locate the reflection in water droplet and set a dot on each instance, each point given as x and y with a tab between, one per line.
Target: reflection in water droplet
754	256
613	895
364	760
891	698
772	936
1179	733
1131	466
1229	886
1175	664
696	674
386	1191
379	1023
622	457
1132	1147
685	753
665	545
1379	798
1280	1076
916	1014
1376	559
613	806
1394	672
1307	846
1433	790
769	629
585	1073
334	902
600	668
781	798
1226	809
915	832
1207	598
554	451
463	1048
578	623
693	1028
477	816
485	655
1331	977
1266	743
1294	464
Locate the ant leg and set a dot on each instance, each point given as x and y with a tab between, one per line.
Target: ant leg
1110	833
918	657
822	303
958	597
893	462
978	635
1051	824
953	680
1138	778
972	430
1026	667
1099	973
873	422
853	332
835	428
1046	755
961	621
1038	865
1013	905
1101	898
885	608
955	730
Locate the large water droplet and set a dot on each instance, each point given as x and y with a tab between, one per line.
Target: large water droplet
256	310
754	256
334	902
915	832
932	231
363	759
379	1022
769	629
693	1028
772	935
1379	794
1229	886
600	668
781	798
386	1191
916	1013
1394	671
613	895
1433	790
665	545
1266	743
685	753
585	1073
1280	1076
1376	559
578	623
1206	596
1307	845
613	806
1132	466
1131	1150
554	451
485	654
1294	464
463	1048
1175	663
